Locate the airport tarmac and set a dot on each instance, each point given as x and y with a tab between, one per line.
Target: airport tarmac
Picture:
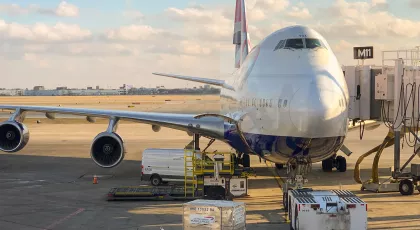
48	185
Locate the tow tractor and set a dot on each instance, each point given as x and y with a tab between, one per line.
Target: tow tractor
221	179
316	210
336	209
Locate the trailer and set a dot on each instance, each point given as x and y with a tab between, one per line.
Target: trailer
202	178
326	210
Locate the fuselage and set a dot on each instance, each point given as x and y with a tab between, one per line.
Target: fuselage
292	97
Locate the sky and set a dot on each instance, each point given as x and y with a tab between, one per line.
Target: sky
79	43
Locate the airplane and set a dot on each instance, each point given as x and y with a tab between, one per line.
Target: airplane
287	102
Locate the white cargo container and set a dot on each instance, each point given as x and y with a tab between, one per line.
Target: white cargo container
326	210
214	214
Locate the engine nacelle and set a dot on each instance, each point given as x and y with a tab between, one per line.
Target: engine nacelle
156	128
13	136
107	150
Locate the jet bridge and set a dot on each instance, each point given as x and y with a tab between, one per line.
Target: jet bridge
389	95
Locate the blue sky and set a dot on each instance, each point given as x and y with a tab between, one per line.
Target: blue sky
93	41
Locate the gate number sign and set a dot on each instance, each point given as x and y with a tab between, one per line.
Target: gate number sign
363	52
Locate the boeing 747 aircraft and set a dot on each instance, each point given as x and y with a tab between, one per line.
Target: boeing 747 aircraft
287	103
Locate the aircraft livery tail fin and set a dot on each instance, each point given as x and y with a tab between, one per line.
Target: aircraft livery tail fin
240	34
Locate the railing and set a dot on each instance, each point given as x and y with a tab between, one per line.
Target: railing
411	57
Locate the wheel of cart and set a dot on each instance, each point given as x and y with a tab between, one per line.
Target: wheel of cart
406	187
294	225
285	202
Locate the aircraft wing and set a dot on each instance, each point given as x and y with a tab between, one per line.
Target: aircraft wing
209	81
205	126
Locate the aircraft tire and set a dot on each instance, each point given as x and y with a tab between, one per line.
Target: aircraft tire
279	166
341	164
327	165
246	161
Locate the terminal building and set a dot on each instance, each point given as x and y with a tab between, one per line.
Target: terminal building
11	92
74	92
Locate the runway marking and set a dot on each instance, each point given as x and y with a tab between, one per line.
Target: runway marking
64	219
276	175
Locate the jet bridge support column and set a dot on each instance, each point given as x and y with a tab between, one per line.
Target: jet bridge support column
398	81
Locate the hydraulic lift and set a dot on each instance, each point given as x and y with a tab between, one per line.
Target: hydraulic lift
222	180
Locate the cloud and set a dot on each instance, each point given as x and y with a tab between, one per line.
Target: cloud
342	8
191	14
189	36
343	45
15	9
272	5
301	13
133	15
414	4
256	14
380	4
132	33
64	9
358	20
35	60
40	32
195	48
207	24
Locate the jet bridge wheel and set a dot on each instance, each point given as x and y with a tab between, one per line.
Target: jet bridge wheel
406	187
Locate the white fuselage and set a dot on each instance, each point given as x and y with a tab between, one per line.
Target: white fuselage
294	102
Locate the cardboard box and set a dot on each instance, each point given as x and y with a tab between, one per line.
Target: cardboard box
214	214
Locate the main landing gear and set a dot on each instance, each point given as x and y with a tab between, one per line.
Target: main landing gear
279	166
335	161
244	160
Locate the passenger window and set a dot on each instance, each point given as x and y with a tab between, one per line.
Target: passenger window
285	103
280	101
312	43
296	43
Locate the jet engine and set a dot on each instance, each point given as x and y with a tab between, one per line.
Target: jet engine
107	150
13	136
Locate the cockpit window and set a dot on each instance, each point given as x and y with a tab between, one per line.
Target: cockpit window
299	43
280	45
312	43
296	43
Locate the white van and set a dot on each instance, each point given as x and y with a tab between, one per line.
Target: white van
163	165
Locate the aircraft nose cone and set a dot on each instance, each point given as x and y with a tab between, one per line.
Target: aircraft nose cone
315	110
